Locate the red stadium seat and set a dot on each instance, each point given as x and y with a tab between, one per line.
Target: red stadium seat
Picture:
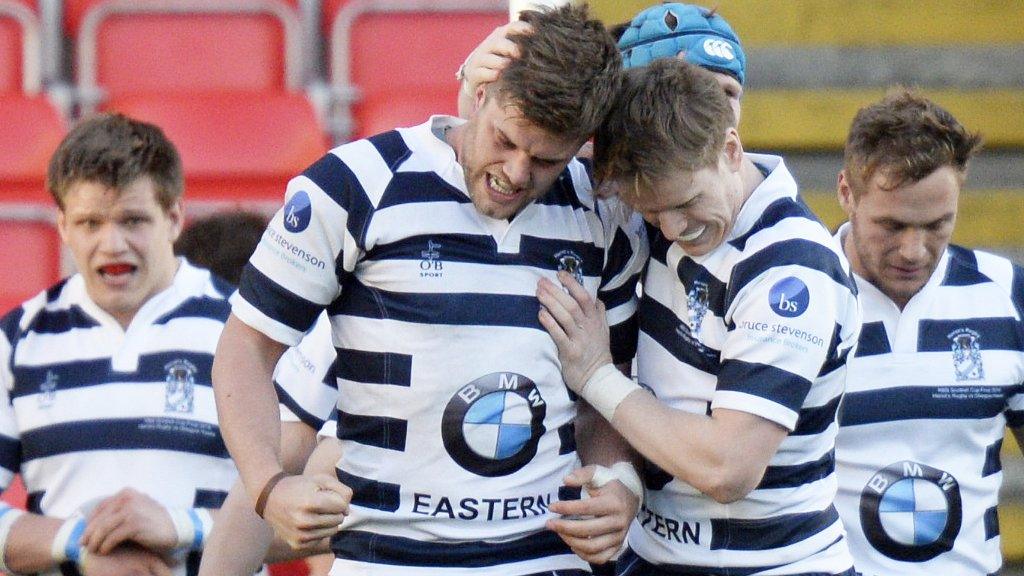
32	129
238	145
380	49
74	11
223	78
20	48
31	260
131	46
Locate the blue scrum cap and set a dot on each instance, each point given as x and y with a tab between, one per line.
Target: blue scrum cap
703	37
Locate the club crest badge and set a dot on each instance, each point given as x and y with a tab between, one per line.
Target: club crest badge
431	265
179	390
966	354
569	261
697	306
48	390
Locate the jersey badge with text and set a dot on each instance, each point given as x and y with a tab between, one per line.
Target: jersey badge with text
179	389
789	297
297	212
431	265
966	354
911	512
569	261
492	425
48	390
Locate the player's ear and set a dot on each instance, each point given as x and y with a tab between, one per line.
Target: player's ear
845	193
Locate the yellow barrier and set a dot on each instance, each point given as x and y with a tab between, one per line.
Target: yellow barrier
820	119
988	218
855	22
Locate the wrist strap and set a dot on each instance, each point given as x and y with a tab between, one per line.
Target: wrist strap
193	525
8	516
261	501
67	543
606	389
624	472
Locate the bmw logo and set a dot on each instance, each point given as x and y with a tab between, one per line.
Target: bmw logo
492	425
911	512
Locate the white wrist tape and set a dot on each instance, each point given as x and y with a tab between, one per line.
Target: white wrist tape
606	389
8	516
193	525
67	543
623	472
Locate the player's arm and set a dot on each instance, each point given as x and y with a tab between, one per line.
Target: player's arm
241	541
762	382
247	407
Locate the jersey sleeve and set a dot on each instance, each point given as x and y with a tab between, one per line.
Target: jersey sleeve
310	246
626	254
10	440
1015	402
783	324
305	378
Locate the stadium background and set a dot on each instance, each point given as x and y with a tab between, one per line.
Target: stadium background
253	90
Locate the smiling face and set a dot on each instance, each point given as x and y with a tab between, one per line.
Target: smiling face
897	236
508	161
122	243
694	209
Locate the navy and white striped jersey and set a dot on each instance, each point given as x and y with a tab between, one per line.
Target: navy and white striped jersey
929	392
762	324
89	408
457	428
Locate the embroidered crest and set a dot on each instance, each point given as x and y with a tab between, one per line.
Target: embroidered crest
572	263
48	390
431	265
966	354
179	390
697	305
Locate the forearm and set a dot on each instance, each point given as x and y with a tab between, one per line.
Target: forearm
247	407
723	455
597	441
239	541
29	544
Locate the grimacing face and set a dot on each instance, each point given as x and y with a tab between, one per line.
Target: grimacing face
897	236
694	209
508	162
122	244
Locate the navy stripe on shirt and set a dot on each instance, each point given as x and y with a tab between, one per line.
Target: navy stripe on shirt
374	367
993	334
918	402
152	368
375	548
765	381
277	302
379	431
152	433
458	309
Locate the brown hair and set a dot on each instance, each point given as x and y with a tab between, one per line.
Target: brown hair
222	242
669	115
114	150
908	137
567	74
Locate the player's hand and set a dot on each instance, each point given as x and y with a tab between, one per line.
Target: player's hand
595	527
306	509
485	63
126	560
126	516
577	324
